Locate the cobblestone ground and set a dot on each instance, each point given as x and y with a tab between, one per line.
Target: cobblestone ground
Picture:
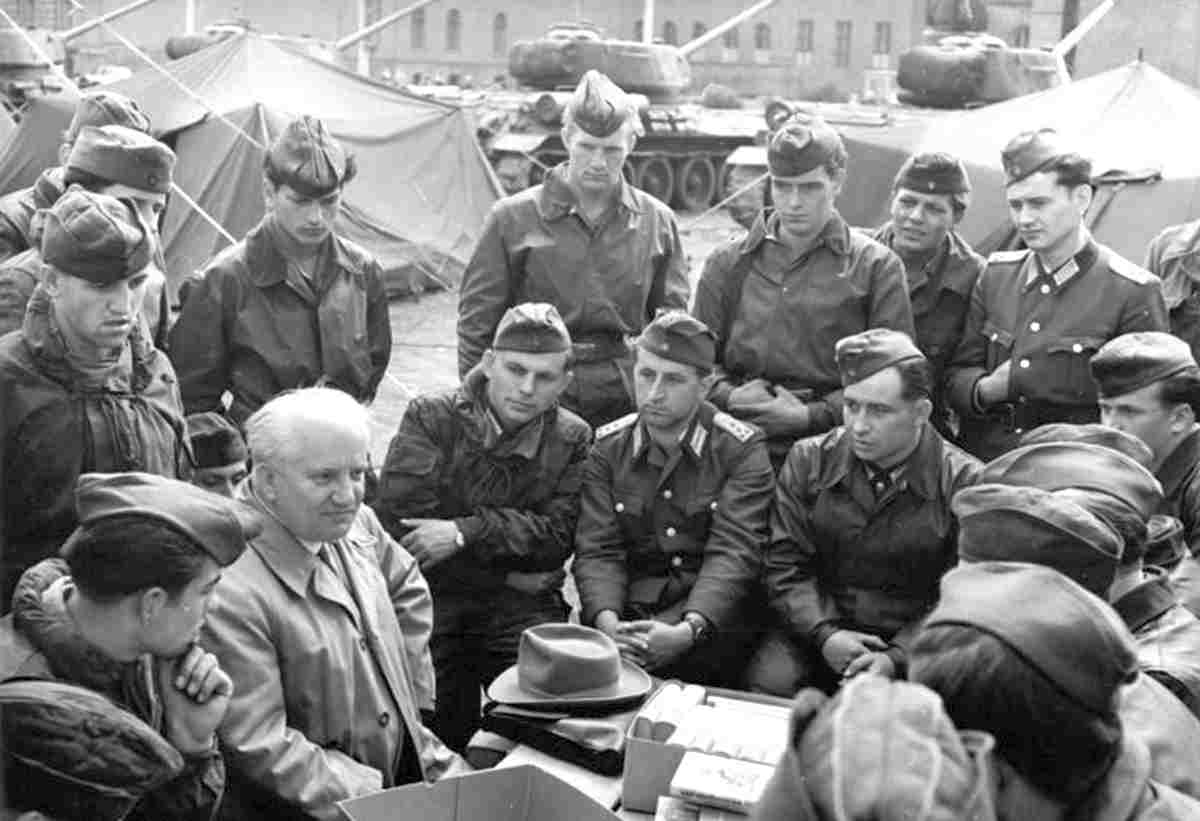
423	359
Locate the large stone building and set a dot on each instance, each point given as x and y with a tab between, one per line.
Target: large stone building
792	49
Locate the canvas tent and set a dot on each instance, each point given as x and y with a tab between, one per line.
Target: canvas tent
33	143
423	187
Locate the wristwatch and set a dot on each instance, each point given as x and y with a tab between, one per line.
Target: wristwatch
702	629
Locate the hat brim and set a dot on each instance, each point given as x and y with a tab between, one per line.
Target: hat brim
633	685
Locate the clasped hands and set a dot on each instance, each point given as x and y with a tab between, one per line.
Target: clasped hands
648	643
774	409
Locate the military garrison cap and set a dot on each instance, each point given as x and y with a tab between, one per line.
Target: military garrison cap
1002	523
532	327
73	754
879	749
95	237
1071	636
99	108
309	159
598	105
933	172
1091	434
866	354
680	337
1133	361
219	526
1030	152
798	148
124	156
1063	465
215	441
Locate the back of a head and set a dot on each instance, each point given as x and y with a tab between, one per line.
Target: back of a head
881	750
277	432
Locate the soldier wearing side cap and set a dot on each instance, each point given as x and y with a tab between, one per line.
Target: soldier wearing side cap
293	304
1081	527
127	164
604	253
218	453
861	531
481	484
1038	315
930	195
1023	653
96	108
120	614
84	389
1174	256
673	517
780	297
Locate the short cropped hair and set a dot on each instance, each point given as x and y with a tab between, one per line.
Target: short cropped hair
121	555
916	379
1055	743
270	431
1071	170
1182	389
277	178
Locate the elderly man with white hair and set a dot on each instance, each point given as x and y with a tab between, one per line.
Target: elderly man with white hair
323	625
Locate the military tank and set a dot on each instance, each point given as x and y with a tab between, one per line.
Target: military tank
960	65
680	158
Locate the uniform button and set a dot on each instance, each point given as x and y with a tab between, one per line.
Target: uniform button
1035	326
1045	288
677	561
384	719
712	505
1019	431
619	507
1077	348
362	643
667	494
670	532
995	336
1021	400
1024	363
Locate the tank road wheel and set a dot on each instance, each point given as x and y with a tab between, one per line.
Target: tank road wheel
695	183
656	177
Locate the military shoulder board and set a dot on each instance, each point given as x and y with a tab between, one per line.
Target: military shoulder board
735	427
1008	256
1124	268
616	426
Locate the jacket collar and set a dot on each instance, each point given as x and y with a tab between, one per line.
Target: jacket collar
45	344
1179	464
921	469
40	614
693	439
1146	602
1078	264
267	266
475	411
557	198
835	235
953	260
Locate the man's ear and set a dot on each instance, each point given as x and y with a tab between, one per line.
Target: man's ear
51	280
269	193
151	603
1082	195
924	408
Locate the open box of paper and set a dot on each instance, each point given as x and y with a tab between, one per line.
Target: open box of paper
514	794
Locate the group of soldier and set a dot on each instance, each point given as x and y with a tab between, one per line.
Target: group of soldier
961	493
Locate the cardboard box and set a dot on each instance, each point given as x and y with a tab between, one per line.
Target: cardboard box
650	765
515	794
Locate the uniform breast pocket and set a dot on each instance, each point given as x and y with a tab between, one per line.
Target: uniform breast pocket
543	279
999	345
631	516
698	516
1068	358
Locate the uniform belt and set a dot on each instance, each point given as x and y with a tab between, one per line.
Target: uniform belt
1022	416
601	348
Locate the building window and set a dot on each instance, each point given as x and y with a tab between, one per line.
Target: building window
1020	38
698	29
881	53
730	46
841	53
500	35
638	28
804	43
453	30
416	30
762	43
670	33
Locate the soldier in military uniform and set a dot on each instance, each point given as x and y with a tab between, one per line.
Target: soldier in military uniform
673	517
862	530
780	296
605	254
1174	256
293	304
929	197
1149	386
1038	315
481	485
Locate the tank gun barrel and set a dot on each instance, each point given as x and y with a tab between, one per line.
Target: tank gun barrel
380	24
1073	37
83	28
717	31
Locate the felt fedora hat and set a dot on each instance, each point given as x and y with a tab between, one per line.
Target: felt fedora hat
569	665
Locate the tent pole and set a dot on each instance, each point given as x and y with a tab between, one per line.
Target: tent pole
363	53
189	17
